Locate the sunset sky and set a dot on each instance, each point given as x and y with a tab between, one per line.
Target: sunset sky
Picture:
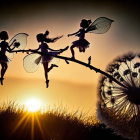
73	85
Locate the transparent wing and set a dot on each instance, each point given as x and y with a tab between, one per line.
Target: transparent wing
10	55
54	60
31	62
20	38
100	26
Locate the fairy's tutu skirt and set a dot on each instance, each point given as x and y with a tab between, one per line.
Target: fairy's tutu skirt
48	58
81	43
3	57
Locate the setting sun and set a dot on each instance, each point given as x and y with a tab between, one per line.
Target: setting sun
33	105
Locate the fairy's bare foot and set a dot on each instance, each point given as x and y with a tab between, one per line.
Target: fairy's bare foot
54	65
1	80
66	48
47	83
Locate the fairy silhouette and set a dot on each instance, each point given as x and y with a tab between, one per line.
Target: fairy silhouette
31	61
18	41
99	26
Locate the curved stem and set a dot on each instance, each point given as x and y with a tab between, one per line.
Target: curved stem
76	61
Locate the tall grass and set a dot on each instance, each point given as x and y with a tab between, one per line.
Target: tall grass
18	124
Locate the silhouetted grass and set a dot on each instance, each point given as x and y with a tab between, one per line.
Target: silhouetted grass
18	124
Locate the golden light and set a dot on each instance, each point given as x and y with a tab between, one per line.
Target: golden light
33	105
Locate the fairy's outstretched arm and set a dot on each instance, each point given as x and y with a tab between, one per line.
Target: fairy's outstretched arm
12	42
74	33
9	49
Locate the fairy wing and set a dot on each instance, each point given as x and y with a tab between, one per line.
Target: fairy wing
100	26
20	38
54	60
10	56
31	62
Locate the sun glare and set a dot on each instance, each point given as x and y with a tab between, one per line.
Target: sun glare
33	105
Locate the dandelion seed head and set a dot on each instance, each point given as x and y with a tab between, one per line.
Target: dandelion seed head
120	104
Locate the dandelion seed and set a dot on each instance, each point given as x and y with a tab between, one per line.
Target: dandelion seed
110	80
126	72
136	65
109	92
112	100
121	79
110	70
134	74
116	74
116	66
130	56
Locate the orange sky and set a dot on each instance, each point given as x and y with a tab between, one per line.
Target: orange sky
71	85
72	96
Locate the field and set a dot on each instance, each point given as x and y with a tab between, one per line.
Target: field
18	124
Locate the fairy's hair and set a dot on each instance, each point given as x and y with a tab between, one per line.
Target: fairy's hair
85	23
4	35
47	32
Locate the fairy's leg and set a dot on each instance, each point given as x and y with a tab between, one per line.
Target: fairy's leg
80	49
72	51
1	67
84	49
46	70
51	67
3	70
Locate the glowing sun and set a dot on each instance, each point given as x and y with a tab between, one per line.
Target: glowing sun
33	105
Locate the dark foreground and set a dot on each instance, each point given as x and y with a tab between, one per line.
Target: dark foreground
52	125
